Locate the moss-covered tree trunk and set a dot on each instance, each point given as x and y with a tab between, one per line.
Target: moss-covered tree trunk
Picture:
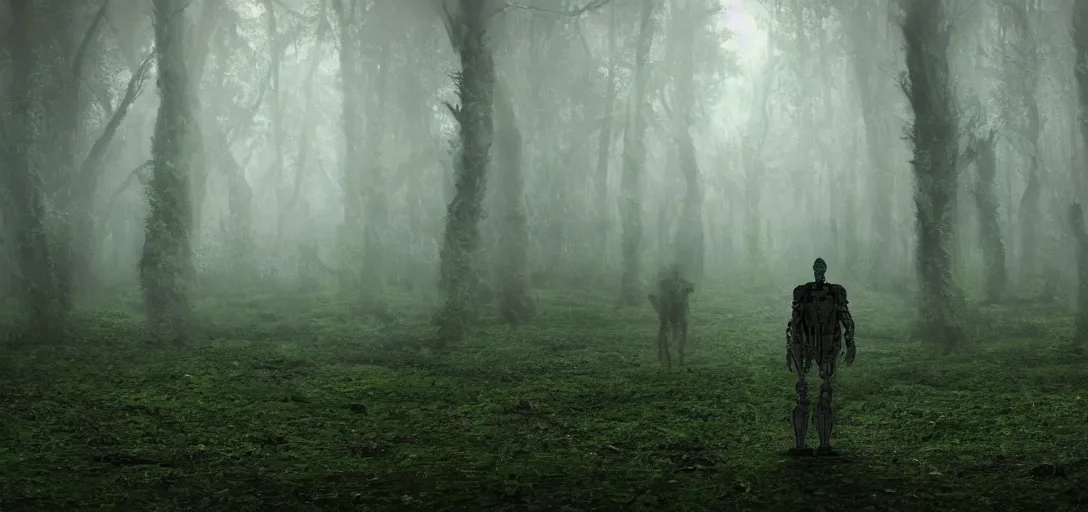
166	263
634	163
604	149
458	271
26	211
995	273
68	230
1080	46
691	244
934	134
512	256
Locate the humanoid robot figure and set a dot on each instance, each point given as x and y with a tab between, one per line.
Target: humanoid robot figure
671	303
820	323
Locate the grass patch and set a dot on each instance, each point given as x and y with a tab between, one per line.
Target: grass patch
309	404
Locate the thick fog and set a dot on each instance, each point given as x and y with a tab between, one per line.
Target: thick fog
478	151
419	255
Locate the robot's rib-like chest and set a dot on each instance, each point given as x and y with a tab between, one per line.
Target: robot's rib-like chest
819	307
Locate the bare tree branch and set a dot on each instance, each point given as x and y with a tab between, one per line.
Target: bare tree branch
81	54
584	41
101	98
453	29
295	14
250	112
589	7
134	174
90	168
666	105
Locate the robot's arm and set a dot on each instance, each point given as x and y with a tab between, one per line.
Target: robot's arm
845	318
687	287
793	328
795	309
847	322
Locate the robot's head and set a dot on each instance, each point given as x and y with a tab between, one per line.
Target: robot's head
819	269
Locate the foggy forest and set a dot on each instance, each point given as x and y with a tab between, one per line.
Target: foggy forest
397	254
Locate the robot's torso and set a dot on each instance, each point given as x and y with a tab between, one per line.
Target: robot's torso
816	323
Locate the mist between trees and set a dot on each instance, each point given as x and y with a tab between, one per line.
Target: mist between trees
470	153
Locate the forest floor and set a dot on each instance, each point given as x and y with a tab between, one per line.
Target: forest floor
306	405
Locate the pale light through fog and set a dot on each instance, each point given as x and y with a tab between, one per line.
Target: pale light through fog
749	40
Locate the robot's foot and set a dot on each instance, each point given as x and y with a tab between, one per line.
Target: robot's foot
799	452
826	451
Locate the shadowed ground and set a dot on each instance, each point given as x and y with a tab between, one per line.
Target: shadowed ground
308	405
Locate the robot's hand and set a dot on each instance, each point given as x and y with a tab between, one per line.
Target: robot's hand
851	353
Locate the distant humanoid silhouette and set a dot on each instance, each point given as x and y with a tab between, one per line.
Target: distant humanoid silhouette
671	303
820	323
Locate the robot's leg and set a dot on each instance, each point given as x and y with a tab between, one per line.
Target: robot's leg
663	345
824	418
799	418
681	342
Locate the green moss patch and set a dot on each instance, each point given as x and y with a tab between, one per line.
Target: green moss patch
313	405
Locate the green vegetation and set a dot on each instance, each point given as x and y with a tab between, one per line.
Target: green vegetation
308	405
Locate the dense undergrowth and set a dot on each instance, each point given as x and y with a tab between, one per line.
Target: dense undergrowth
309	404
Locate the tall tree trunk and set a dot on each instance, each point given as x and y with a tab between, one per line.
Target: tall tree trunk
1078	177
417	268
69	231
275	103
604	149
634	163
691	249
1080	246
934	134
841	177
995	274
288	210
1030	220
198	44
376	207
515	305
754	140
84	185
21	172
239	227
1080	45
220	137
350	238
461	241
864	29
165	266
1024	67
